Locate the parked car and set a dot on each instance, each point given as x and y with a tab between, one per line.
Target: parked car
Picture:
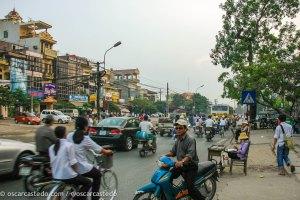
73	113
116	131
58	116
11	153
165	125
28	118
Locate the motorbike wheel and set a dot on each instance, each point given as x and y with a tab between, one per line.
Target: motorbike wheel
29	182
142	153
146	196
208	188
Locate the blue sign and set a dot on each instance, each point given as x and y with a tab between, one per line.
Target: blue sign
249	97
79	98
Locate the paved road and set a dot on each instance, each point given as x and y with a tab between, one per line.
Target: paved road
132	171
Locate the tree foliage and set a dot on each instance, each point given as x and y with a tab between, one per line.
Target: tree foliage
260	44
140	105
198	103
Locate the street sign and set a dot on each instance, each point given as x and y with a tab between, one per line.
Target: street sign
249	97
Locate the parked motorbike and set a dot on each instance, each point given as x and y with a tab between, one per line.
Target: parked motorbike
162	186
37	172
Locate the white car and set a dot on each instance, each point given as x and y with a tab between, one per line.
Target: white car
58	116
11	152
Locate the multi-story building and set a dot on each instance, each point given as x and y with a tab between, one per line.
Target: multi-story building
73	76
21	69
34	36
127	82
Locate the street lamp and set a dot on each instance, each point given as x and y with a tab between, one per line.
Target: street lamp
99	77
194	106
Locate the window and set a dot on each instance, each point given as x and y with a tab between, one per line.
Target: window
5	34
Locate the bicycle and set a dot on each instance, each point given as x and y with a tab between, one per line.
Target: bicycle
109	181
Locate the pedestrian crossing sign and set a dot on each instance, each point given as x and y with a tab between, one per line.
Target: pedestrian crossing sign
249	97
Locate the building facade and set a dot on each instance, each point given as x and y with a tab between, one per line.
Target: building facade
34	36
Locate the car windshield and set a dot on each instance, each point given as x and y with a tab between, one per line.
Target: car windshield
165	120
30	115
59	113
112	121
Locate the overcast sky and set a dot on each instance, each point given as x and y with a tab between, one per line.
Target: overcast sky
168	40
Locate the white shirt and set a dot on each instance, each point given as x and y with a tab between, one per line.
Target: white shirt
81	151
61	162
146	126
222	122
209	123
288	129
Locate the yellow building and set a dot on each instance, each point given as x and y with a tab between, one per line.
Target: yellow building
33	35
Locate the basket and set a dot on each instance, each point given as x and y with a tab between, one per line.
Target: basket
105	162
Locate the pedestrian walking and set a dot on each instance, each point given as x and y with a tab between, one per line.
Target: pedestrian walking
283	132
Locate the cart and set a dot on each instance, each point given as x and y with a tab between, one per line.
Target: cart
216	151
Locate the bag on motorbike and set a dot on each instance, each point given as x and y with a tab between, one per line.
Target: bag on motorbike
142	135
288	141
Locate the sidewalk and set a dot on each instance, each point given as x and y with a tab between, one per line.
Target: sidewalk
262	181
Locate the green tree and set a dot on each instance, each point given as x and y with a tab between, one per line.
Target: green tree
201	103
140	105
6	97
112	107
64	105
160	106
260	44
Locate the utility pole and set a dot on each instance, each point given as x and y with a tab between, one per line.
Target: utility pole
167	109
98	89
160	94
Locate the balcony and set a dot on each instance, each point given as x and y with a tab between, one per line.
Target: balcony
50	53
48	76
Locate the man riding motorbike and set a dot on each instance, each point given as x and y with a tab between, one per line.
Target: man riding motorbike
187	159
147	126
45	137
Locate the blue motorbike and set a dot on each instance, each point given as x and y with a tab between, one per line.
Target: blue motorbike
162	187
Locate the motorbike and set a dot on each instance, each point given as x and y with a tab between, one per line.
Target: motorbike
162	186
199	133
36	171
145	138
209	134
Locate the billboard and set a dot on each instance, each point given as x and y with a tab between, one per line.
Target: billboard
49	89
18	74
78	98
36	93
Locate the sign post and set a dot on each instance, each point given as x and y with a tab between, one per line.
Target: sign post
248	98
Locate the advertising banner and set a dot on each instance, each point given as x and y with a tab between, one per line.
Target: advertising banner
50	89
18	75
78	98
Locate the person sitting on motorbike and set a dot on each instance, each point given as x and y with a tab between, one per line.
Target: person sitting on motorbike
240	153
187	159
45	137
65	165
222	123
147	126
82	143
209	124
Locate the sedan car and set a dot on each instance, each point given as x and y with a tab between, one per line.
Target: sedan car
11	152
116	131
28	118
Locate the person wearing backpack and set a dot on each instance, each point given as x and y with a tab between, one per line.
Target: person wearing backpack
283	138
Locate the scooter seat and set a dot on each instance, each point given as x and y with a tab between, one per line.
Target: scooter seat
39	158
205	167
